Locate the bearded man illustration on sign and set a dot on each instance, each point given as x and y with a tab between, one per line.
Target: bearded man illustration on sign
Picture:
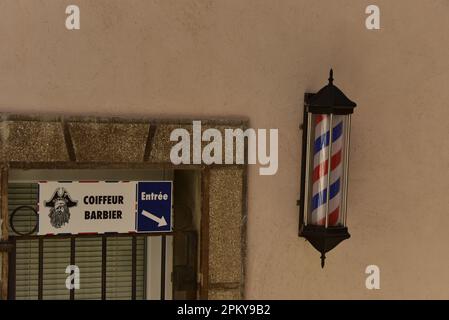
59	206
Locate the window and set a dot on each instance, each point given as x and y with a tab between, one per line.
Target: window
34	147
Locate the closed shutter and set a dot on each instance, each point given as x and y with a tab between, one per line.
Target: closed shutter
27	251
56	257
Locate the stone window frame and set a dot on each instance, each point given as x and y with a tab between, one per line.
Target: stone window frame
59	142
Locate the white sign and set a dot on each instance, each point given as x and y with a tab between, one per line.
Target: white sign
87	207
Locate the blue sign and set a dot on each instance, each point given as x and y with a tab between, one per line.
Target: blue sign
154	204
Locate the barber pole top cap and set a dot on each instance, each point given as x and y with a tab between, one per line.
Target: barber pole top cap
330	99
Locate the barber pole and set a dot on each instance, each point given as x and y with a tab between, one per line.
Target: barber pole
324	168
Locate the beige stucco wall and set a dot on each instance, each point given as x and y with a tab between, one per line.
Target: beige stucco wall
256	59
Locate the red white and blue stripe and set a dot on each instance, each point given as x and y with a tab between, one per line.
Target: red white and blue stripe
320	170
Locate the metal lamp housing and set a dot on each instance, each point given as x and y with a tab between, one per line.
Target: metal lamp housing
324	183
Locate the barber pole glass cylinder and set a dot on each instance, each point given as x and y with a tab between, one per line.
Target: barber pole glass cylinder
327	201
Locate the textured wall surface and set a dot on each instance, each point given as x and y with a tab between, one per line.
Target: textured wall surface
255	59
113	142
33	141
225	238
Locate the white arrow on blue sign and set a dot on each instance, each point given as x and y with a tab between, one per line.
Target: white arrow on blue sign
154	205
